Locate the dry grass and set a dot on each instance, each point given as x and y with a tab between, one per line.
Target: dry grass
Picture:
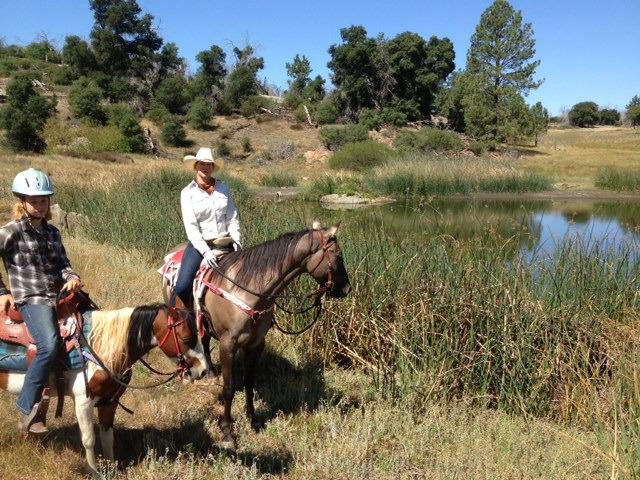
575	156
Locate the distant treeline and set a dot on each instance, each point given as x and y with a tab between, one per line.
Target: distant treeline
377	80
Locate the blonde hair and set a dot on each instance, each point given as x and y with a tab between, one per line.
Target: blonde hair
19	211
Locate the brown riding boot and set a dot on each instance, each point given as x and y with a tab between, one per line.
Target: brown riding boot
35	421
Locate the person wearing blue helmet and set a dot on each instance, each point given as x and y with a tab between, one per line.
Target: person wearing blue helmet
38	269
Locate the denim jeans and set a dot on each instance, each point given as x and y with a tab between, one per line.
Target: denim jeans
42	324
191	260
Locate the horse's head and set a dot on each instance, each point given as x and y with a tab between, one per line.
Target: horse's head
177	336
326	265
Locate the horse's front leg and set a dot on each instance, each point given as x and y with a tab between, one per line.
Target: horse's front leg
227	351
106	414
252	355
206	343
84	414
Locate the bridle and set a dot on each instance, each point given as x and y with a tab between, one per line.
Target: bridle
174	320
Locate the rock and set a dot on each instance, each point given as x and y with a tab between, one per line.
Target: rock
70	221
320	154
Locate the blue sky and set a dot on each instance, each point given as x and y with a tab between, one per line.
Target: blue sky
590	49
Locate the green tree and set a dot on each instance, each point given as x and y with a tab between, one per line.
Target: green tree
124	40
355	70
633	115
633	102
609	116
209	79
85	99
126	122
500	57
43	49
169	62
199	115
314	91
418	69
24	115
171	93
584	114
242	82
451	102
173	133
539	121
299	71
77	54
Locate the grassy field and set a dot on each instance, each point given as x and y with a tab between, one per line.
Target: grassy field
575	156
497	374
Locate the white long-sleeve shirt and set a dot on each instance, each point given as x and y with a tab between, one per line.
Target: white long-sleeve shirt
208	216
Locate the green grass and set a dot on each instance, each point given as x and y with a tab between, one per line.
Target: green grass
278	178
619	179
437	315
360	156
428	139
416	175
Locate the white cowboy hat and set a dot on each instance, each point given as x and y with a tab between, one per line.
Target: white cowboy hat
205	155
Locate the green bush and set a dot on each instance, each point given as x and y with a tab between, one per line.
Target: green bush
246	145
609	116
292	100
393	116
326	112
584	114
158	114
428	139
85	99
332	184
25	115
335	137
251	105
173	133
223	149
278	178
63	75
369	118
360	156
199	115
478	148
126	122
299	115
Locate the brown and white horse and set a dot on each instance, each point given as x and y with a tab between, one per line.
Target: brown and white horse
256	277
120	338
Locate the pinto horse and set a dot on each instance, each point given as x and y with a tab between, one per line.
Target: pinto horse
256	277
119	338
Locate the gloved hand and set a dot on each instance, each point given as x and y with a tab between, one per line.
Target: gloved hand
210	258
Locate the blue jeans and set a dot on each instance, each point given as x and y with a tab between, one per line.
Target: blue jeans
43	326
191	260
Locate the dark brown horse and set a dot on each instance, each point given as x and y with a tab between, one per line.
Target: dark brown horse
256	277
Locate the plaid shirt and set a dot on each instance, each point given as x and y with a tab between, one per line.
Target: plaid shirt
36	262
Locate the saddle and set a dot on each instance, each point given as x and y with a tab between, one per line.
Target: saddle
14	330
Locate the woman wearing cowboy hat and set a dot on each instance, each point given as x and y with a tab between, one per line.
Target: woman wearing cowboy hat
210	219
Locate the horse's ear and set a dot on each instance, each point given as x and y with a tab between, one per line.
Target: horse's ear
333	230
317	225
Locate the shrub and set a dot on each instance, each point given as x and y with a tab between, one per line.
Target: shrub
158	114
428	139
332	184
292	100
246	145
278	178
64	75
251	105
299	115
335	137
25	115
609	116
369	118
85	101
125	120
171	94
392	116
326	112
223	149
173	133
478	148
199	115
360	156
584	114
633	115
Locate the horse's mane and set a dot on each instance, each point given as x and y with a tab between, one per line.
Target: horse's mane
116	334
255	263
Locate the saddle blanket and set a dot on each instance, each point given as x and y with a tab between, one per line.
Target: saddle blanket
13	358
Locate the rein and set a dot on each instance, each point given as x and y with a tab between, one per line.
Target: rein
318	294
